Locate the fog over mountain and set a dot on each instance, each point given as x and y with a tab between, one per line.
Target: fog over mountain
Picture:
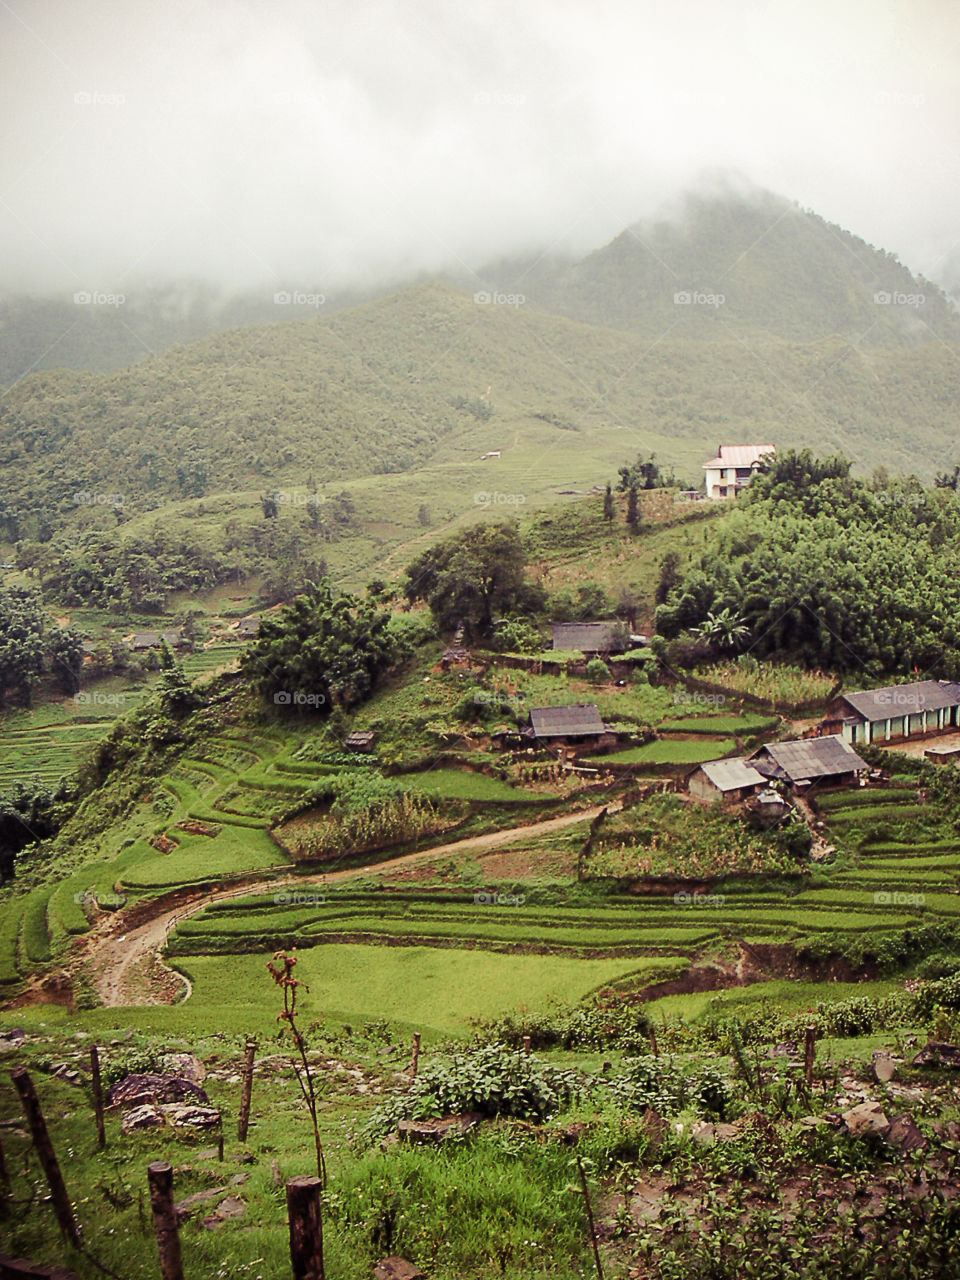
346	147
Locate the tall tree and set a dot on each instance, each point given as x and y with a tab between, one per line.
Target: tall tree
608	503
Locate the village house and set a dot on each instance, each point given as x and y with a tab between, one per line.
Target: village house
899	711
733	468
154	639
732	780
578	724
359	740
591	637
808	762
248	628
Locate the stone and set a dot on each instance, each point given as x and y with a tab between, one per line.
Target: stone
884	1067
134	1090
229	1208
185	1065
904	1133
867	1117
187	1206
208	1153
936	1053
68	1074
239	1179
785	1049
433	1132
276	1174
12	1039
143	1117
188	1115
397	1269
654	1126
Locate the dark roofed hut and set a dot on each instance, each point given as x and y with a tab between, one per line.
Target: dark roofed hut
577	724
824	762
591	637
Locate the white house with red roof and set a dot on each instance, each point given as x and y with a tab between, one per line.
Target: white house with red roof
733	468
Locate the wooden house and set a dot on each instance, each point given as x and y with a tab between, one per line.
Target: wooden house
896	712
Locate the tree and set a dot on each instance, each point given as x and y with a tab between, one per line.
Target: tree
423	516
725	630
322	650
66	657
633	510
608	503
269	503
473	579
645	473
948	479
177	695
669	577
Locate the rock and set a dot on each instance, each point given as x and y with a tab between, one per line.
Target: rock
12	1039
187	1206
904	1134
703	1133
229	1208
208	1153
397	1269
239	1179
785	1049
69	1074
143	1117
938	1054
186	1066
276	1174
433	1132
655	1127
138	1089
188	1115
812	1122
884	1067
868	1117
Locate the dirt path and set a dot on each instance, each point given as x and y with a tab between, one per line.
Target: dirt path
110	957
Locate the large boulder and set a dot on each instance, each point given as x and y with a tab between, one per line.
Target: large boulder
136	1090
936	1053
866	1118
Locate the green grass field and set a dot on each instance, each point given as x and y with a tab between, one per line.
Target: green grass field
671	751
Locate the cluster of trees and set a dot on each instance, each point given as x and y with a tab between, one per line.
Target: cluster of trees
30	647
323	651
29	814
834	571
473	579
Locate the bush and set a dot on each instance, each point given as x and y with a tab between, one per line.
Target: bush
597	671
668	1087
492	1079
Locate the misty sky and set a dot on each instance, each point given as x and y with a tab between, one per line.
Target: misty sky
343	142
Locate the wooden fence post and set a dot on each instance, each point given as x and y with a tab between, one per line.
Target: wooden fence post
809	1050
654	1047
305	1210
416	1056
97	1094
160	1178
593	1228
48	1157
526	1045
245	1091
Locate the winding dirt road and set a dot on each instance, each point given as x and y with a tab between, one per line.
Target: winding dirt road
112	954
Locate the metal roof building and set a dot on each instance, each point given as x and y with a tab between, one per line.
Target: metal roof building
590	637
808	760
895	712
579	720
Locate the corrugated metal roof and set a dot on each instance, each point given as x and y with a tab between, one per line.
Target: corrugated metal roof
732	774
589	637
563	722
807	758
904	699
740	455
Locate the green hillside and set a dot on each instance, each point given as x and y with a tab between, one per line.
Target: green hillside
778	269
